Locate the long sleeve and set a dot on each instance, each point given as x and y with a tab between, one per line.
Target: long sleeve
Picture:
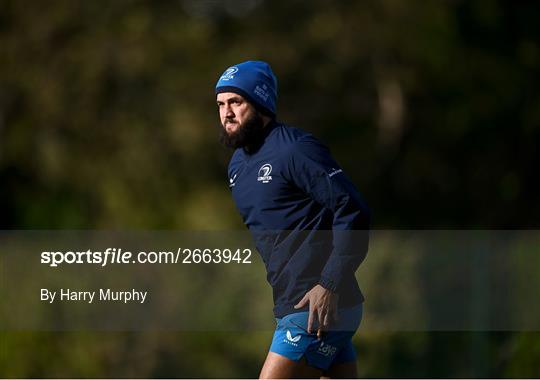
312	168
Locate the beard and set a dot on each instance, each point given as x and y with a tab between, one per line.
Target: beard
249	134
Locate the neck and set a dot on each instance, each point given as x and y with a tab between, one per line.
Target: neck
252	148
266	120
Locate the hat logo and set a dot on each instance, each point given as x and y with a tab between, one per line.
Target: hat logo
262	92
229	73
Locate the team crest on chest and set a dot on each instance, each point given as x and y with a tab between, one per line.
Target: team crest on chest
264	173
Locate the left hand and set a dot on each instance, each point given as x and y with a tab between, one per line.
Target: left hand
323	305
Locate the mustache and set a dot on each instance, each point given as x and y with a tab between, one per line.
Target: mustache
248	134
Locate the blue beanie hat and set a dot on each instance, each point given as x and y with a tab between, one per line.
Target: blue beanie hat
255	81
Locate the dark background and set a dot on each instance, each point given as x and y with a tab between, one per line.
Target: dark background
108	121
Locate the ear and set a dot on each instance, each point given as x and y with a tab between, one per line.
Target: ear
266	119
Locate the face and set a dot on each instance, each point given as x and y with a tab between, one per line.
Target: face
242	125
234	110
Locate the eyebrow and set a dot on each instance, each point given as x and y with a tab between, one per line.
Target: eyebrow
231	99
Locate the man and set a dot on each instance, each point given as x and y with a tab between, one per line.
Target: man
309	224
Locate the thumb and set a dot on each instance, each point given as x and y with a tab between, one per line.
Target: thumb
302	302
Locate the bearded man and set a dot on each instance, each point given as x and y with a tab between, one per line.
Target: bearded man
309	223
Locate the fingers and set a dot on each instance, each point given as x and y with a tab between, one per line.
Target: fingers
321	315
321	326
302	302
322	309
326	321
310	319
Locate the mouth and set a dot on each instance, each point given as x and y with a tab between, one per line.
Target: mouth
230	126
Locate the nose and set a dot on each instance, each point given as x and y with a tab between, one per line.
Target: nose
228	111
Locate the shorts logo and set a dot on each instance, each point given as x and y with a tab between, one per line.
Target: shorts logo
229	73
326	349
264	173
292	340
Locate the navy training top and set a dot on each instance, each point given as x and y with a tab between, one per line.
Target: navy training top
308	221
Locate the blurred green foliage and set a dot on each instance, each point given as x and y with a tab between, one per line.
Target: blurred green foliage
107	120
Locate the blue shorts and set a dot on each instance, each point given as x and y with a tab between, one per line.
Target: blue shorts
292	340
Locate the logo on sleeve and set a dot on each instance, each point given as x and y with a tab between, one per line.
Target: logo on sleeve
334	172
232	181
264	173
